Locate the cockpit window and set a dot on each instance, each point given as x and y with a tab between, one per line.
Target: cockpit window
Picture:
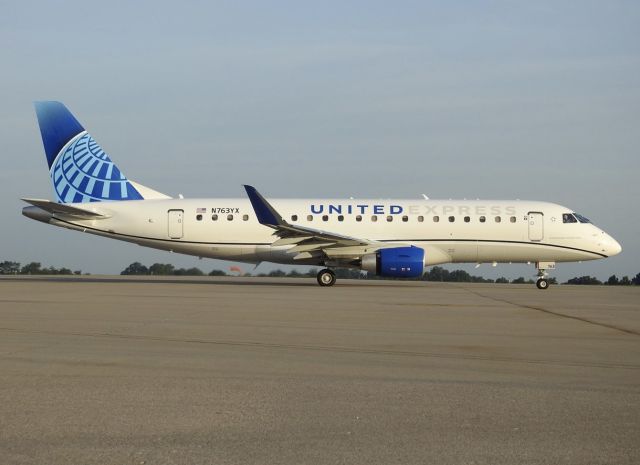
582	219
568	218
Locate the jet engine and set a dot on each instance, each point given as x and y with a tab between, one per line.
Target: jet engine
397	262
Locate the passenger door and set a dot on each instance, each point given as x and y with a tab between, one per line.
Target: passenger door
536	226
176	221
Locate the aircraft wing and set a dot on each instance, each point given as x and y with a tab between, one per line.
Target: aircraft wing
66	209
308	242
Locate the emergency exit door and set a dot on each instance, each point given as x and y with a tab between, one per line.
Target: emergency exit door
536	226
176	222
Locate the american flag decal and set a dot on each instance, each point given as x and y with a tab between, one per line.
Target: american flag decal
201	210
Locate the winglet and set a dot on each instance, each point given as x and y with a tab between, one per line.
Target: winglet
267	215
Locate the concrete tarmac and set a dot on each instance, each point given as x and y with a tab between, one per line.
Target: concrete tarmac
280	371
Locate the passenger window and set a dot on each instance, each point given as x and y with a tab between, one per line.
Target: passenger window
325	217
294	217
513	219
199	217
229	217
420	219
405	218
467	219
483	219
389	218
359	218
340	218
452	219
436	219
498	219
374	218
245	217
214	217
309	217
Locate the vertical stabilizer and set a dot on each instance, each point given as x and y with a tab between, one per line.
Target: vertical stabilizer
80	170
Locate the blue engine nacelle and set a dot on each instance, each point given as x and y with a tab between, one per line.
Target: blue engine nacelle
397	262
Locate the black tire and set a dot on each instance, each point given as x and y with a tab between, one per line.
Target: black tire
542	283
326	277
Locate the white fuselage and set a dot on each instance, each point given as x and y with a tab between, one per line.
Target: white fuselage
448	230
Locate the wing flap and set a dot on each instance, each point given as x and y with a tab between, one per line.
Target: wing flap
353	252
290	240
303	256
311	246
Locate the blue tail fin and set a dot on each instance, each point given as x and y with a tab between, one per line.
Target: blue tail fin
80	170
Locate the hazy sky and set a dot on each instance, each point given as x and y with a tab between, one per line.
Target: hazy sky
488	99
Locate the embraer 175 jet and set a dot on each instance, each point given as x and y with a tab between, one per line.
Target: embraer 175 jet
392	238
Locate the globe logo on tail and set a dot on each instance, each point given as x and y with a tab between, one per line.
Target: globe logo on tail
83	172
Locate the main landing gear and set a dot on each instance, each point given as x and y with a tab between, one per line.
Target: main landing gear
542	282
326	277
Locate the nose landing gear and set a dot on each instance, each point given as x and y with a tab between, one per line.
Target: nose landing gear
542	282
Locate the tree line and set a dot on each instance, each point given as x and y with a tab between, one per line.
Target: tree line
9	267
612	281
166	269
437	273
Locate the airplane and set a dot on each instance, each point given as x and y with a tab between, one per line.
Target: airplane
389	238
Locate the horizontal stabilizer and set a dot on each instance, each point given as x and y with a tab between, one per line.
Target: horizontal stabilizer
61	209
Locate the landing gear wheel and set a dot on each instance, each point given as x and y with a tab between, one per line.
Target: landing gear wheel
326	277
542	283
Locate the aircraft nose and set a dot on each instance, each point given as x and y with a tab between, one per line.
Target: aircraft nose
613	247
607	244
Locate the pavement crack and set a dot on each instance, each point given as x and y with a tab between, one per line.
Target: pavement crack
338	349
557	314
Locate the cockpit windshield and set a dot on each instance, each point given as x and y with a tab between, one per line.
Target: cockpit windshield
574	218
582	219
